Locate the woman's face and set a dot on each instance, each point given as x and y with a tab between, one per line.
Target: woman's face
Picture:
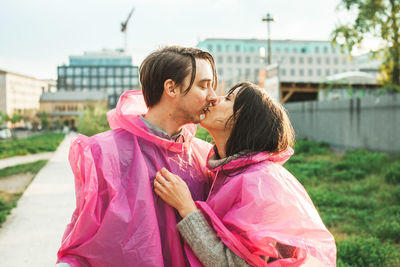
217	116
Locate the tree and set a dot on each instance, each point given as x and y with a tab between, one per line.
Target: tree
93	120
379	19
44	120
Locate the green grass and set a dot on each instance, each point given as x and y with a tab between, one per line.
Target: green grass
33	167
9	200
204	135
358	197
46	142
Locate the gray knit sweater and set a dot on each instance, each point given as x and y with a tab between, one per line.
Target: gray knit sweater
205	243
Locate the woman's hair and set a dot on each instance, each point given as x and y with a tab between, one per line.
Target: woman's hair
259	123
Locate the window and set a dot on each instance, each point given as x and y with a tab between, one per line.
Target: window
316	49
210	48
238	59
301	60
286	50
70	71
94	82
229	59
319	72
220	71
102	82
247	59
318	60
127	71
110	71
61	71
93	71
325	50
237	48
251	49
77	81
336	61
85	81
126	81
303	50
228	48
292	72
85	71
118	71
102	71
247	73
256	74
327	72
292	60
219	48
310	60
110	81
277	50
78	71
295	50
134	81
220	59
310	72
327	60
283	72
301	72
336	71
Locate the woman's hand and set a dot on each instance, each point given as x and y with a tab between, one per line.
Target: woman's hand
174	191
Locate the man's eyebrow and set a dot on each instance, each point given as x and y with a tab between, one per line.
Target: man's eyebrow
205	80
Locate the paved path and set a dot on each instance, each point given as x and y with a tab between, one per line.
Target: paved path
32	233
24	159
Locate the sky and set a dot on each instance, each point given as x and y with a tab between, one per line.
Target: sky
37	36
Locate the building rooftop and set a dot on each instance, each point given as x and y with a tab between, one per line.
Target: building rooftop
263	41
61	96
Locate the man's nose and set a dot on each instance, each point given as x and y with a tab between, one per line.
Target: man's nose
212	97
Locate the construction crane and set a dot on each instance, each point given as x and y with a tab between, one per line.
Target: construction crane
124	26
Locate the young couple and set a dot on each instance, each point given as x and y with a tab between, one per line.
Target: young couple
148	193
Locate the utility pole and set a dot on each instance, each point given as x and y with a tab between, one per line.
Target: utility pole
268	19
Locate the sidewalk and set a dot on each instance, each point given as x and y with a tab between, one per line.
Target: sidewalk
7	162
32	233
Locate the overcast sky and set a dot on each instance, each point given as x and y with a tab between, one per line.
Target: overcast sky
37	36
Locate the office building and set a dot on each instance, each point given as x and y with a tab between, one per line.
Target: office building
299	61
105	71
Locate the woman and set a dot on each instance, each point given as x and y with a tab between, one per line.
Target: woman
256	213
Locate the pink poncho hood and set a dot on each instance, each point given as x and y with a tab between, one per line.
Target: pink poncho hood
118	220
262	205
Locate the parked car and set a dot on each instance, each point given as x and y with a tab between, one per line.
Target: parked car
5	133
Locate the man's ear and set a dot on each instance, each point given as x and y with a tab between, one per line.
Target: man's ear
170	88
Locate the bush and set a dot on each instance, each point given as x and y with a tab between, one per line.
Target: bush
396	194
392	175
204	135
93	121
388	230
306	171
362	160
358	251
349	175
303	146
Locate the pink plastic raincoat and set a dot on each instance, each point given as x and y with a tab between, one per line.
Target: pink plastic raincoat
118	220
263	205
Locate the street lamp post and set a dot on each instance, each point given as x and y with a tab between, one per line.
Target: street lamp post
268	19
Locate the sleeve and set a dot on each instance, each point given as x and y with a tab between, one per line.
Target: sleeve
204	242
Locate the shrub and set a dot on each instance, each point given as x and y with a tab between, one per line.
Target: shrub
358	251
388	230
349	175
392	175
396	194
93	121
303	146
362	160
204	135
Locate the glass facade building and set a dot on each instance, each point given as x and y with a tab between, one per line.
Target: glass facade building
106	71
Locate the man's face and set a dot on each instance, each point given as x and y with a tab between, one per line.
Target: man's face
192	106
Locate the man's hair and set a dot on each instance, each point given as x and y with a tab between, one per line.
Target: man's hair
171	62
259	123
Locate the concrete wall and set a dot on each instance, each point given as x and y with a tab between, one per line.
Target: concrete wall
372	123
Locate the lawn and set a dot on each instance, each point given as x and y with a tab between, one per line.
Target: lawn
46	142
358	197
8	200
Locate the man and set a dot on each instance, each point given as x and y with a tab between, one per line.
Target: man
118	220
